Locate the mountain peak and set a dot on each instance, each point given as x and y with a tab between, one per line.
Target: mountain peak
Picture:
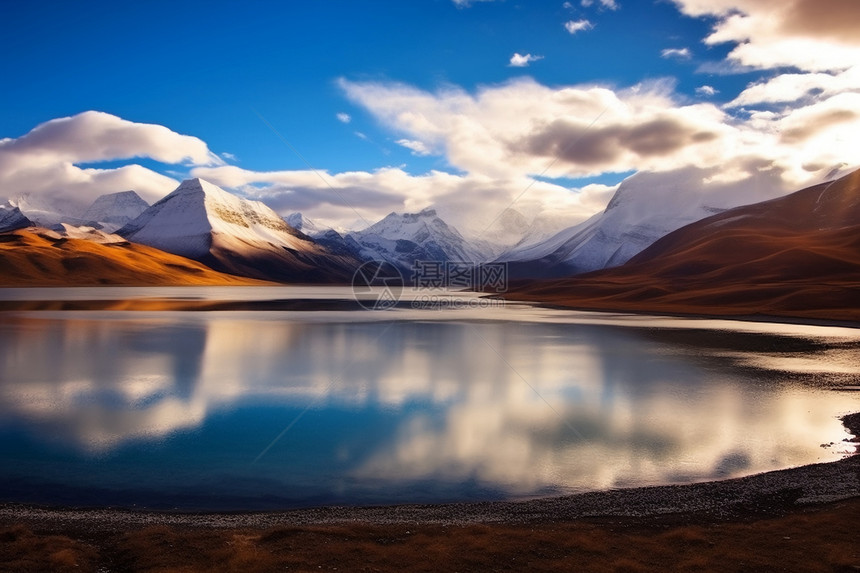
115	210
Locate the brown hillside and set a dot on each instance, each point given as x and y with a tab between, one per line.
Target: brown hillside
32	257
794	256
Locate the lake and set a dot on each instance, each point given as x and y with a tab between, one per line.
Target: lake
462	401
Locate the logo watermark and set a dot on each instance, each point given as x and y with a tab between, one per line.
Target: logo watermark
377	285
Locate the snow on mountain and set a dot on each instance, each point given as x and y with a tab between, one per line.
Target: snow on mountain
115	210
11	218
645	207
307	226
503	233
403	239
201	221
46	212
67	231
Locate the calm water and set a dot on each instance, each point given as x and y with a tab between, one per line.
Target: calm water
266	410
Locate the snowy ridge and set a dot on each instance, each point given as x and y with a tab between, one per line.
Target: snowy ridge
67	231
115	210
201	221
46	213
645	208
307	226
186	221
403	239
12	218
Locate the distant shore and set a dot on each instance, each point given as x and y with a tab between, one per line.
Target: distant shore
716	312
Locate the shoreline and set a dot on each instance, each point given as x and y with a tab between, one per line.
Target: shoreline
762	318
769	493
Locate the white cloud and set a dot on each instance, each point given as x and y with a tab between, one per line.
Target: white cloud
46	160
361	135
467	3
523	128
707	90
522	61
681	53
343	117
610	4
229	156
810	35
574	26
417	147
788	88
470	202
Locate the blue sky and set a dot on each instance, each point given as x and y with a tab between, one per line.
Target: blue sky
217	70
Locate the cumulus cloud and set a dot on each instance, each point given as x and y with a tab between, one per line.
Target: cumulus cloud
343	117
524	128
795	87
574	26
522	61
680	53
46	160
811	35
706	91
417	147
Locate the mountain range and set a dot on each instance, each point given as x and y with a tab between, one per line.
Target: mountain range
204	223
798	255
646	250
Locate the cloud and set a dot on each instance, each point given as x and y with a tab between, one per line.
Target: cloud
609	4
680	53
522	128
94	136
574	142
467	3
574	26
791	88
470	202
522	61
46	160
810	35
417	147
707	91
343	117
229	156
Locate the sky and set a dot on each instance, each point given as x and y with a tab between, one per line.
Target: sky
349	110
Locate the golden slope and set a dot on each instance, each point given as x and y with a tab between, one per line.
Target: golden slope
31	257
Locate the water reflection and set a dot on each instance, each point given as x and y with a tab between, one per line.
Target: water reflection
399	410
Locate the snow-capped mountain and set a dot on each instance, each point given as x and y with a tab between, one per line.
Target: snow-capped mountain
645	207
11	218
45	212
115	210
201	221
307	226
503	233
402	239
